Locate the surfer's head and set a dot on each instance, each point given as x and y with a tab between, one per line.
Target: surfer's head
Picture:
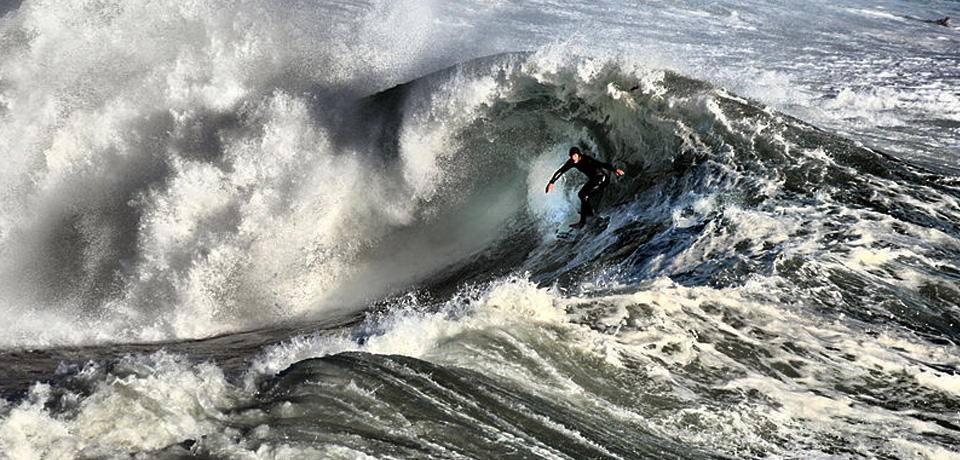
575	154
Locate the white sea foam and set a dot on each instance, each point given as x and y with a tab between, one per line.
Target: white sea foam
662	328
163	400
166	151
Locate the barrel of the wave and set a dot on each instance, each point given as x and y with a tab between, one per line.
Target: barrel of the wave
597	181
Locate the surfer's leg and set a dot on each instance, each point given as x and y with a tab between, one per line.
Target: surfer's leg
585	208
590	189
584	195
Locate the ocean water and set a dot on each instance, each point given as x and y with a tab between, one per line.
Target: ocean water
259	229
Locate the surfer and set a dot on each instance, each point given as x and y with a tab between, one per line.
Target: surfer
945	22
596	182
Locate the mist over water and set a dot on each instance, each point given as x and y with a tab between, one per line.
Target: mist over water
172	170
255	229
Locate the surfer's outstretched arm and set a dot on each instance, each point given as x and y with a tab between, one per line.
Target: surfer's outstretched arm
566	167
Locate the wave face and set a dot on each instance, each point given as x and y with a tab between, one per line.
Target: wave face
221	239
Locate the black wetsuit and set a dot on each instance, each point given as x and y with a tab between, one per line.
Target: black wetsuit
597	180
940	22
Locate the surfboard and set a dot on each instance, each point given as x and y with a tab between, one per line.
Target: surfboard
565	233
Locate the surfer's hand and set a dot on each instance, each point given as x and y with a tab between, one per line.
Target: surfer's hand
549	187
619	172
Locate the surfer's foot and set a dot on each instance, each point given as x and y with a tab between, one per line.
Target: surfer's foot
577	225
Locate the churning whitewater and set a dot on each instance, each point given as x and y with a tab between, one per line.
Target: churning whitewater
273	230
